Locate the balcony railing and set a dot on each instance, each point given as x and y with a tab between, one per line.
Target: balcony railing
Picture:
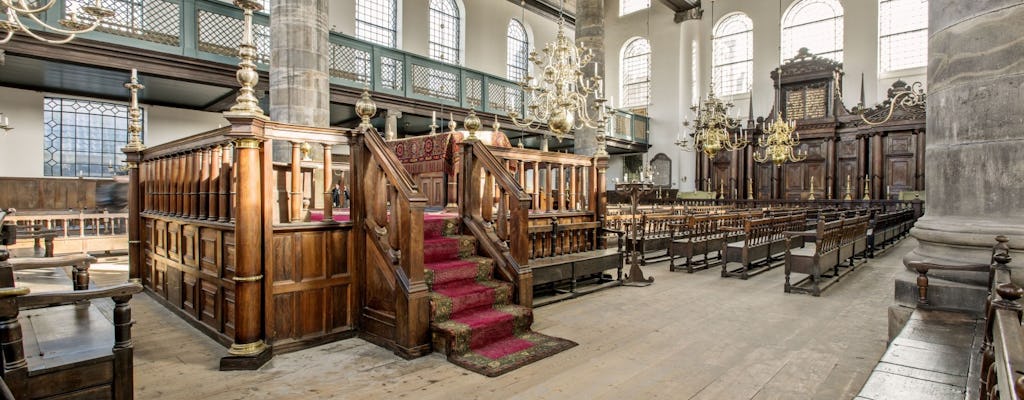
211	30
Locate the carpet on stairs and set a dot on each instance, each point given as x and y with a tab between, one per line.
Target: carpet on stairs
473	320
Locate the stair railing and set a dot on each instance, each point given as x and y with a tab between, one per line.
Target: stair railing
390	206
494	208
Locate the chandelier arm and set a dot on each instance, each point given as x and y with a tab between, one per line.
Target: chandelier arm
24	7
70	37
95	23
8	37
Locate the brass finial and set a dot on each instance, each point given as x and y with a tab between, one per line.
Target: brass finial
366	108
247	103
451	122
306	149
472	124
849	190
867	187
134	113
811	197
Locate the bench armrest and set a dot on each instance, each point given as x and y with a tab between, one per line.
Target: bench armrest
924	267
67	297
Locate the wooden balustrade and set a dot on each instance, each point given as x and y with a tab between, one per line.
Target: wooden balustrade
494	208
557	181
395	300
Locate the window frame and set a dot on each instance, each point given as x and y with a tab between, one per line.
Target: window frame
838	26
881	38
369	9
455	19
624	83
627	7
67	129
513	63
747	59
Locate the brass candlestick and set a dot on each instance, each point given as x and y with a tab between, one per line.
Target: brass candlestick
451	123
867	187
247	104
134	113
849	189
750	188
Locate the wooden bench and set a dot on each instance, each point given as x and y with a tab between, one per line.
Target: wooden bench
815	259
41	237
63	347
704	234
763	239
570	253
887	228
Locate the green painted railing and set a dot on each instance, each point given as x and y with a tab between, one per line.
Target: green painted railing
211	30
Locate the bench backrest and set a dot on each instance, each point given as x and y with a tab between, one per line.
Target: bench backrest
829	236
761	231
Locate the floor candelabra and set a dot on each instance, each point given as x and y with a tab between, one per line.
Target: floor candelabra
635	190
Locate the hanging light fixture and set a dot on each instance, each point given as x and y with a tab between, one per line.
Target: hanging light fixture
780	136
712	126
559	97
13	11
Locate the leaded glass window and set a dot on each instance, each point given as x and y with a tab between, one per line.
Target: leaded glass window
83	137
632	6
444	31
902	34
518	51
636	73
816	25
733	54
377	21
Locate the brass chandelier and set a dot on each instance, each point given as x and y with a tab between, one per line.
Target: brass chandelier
559	97
711	128
780	137
12	12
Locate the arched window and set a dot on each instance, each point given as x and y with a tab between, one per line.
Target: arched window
733	54
377	21
902	34
816	25
632	6
636	73
445	25
518	51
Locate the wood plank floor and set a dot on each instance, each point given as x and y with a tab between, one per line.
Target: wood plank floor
688	336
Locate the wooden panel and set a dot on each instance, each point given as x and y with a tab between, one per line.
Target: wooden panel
901	172
339	250
228	257
899	144
229	312
188	293
173	279
847	149
59	193
339	308
189	244
174	241
311	253
160	238
209	244
208	301
763	180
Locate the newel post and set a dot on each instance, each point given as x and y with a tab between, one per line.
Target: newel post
599	197
133	158
249	351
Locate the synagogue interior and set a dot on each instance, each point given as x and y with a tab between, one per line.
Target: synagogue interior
531	199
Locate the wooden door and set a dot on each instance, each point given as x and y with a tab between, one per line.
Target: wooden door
432	186
900	163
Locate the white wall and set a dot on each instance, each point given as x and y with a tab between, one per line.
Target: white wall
484	31
671	45
21	151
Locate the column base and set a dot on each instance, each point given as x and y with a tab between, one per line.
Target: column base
246	363
956	240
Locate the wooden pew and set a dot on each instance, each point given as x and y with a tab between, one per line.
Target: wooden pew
815	259
704	234
572	252
69	350
762	240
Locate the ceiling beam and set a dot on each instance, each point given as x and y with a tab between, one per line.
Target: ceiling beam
546	10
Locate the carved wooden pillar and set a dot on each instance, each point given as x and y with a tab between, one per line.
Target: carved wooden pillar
161	185
830	169
226	171
214	184
536	186
135	193
549	189
328	206
188	189
877	167
295	196
599	198
862	166
248	351
179	204
573	187
204	183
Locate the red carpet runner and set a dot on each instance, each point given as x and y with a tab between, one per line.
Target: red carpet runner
472	319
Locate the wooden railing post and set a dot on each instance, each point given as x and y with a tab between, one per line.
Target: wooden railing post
135	192
15	371
224	204
599	198
248	351
295	196
214	189
328	175
203	190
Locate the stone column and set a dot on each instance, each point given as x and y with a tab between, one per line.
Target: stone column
590	33
299	81
975	187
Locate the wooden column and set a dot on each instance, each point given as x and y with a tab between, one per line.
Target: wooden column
877	167
224	203
188	187
204	183
135	193
574	187
919	159
295	198
161	185
328	207
176	170
599	197
214	189
248	351
830	170
195	180
862	166
549	187
537	186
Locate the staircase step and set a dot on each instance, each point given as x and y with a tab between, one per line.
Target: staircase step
466	270
454	301
439	225
440	249
482	328
467	245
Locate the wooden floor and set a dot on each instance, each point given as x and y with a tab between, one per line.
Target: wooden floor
688	336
